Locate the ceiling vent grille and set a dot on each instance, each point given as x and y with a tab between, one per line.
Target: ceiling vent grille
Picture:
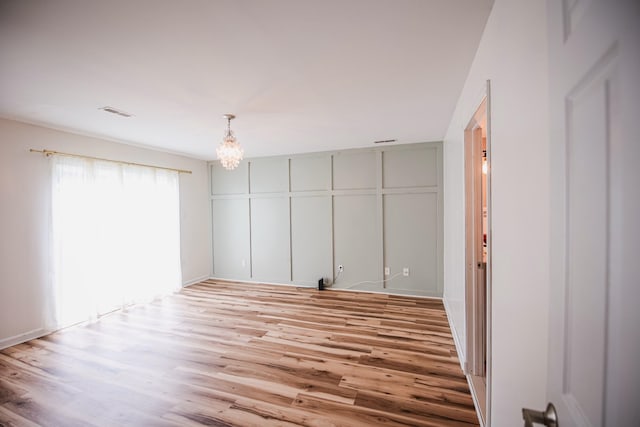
115	111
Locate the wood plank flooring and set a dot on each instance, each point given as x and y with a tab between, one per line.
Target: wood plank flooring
224	354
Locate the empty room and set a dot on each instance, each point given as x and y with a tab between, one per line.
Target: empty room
319	213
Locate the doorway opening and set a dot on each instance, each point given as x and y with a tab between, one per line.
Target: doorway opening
478	256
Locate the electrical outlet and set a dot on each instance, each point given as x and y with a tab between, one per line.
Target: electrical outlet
405	271
387	271
341	268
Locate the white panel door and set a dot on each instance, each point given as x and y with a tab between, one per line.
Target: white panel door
594	343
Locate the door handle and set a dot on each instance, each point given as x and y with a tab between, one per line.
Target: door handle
548	417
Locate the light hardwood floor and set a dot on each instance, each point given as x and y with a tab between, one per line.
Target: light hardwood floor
245	355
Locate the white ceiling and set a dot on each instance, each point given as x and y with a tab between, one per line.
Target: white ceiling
300	75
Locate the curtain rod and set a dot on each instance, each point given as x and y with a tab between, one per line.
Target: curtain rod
50	153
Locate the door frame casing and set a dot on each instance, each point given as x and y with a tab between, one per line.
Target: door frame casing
475	350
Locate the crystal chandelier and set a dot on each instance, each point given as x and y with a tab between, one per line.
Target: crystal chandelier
229	151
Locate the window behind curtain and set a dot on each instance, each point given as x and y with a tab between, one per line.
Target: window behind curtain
115	236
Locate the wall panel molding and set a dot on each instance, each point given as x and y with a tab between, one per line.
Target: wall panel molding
336	216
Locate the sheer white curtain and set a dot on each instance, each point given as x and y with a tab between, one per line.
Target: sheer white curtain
115	236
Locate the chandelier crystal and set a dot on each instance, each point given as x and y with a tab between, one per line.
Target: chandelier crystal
229	151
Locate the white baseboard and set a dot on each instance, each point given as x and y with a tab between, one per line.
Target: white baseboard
24	337
194	281
456	339
329	288
400	293
255	282
461	358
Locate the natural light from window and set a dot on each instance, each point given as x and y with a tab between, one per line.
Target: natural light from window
115	236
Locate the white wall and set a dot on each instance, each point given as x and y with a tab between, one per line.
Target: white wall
24	216
513	55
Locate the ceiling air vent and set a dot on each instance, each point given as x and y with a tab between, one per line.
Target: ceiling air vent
384	141
115	111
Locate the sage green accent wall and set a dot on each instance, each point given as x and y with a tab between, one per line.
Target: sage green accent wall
231	224
356	239
311	173
269	175
416	246
354	170
311	238
229	182
270	239
294	219
410	168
